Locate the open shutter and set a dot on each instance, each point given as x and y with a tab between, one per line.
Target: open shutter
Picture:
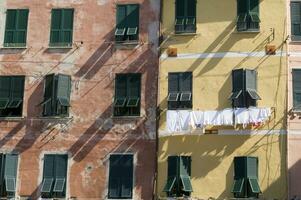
132	19
251	84
252	174
297	89
242	13
254	10
238	84
126	162
5	85
10	27
17	91
185	171
10	174
48	173
185	86
60	173
67	26
172	173
133	90
240	171
56	25
121	22
173	87
295	19
64	90
49	100
21	26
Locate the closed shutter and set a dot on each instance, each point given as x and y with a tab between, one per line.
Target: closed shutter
64	90
121	16
296	18
132	16
21	26
17	91
191	8
238	85
127	176
10	174
67	26
240	166
120	90
133	90
185	82
180	8
56	25
10	27
48	173
173	82
252	171
60	172
254	6
114	178
5	85
242	7
297	88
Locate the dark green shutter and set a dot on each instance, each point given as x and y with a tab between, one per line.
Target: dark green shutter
67	26
121	16
185	171
296	18
185	82
133	89
64	89
56	18
173	166
132	16
240	165
10	27
5	85
242	7
191	8
173	82
127	176
61	162
121	86
296	88
10	172
114	178
254	6
48	173
238	85
180	8
21	26
17	91
49	95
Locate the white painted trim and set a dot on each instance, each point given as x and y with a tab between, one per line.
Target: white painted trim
294	132
220	55
294	54
227	132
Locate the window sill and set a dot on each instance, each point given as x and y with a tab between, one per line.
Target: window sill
14	47
60	47
12	118
54	118
126	44
185	34
247	32
126	117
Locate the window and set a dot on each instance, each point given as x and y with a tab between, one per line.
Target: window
296	20
248	15
11	96
16	28
127	95
127	23
179	90
57	91
61	27
246	177
8	170
185	16
121	177
54	176
244	88
178	182
297	89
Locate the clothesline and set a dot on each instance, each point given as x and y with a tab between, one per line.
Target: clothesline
185	120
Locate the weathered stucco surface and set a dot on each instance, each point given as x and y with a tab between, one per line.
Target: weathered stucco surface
90	134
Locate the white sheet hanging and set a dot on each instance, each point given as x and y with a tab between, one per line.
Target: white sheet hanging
242	116
197	119
227	116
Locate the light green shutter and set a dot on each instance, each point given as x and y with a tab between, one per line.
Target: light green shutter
10	172
5	85
185	170
64	90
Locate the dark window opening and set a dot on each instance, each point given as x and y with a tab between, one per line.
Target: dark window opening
185	21
8	175
248	15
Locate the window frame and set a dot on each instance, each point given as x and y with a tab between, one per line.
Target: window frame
125	110
185	27
248	24
178	104
61	43
294	37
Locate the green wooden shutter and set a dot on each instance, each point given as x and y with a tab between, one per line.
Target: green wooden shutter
172	173
67	26
254	6
296	88
132	17
56	26
61	162
185	82
133	90
21	26
48	173
10	27
5	85
238	85
63	89
180	9
114	177
240	167
296	18
17	91
185	171
10	172
121	16
242	7
191	8
126	162
173	82
252	171
120	90
251	85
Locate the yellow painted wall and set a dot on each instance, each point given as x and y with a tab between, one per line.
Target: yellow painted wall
212	155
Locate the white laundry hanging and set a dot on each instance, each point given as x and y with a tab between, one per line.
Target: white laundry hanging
177	121
242	116
212	118
197	119
227	116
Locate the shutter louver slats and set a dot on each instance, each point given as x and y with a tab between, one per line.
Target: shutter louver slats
10	172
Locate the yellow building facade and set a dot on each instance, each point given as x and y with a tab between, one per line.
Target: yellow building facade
209	43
